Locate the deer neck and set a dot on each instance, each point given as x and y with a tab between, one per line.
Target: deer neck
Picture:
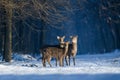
74	46
66	50
62	45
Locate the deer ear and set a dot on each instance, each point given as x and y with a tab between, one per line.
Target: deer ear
77	36
58	37
70	36
63	36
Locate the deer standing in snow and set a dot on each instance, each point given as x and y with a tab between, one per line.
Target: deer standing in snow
72	51
57	52
61	41
52	51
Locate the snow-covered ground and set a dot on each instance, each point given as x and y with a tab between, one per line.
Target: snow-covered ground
88	67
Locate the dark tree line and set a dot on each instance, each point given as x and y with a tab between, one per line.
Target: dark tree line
98	22
109	12
27	25
26	12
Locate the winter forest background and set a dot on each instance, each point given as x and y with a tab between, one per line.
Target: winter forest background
34	23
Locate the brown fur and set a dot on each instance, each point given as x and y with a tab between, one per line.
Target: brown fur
56	52
61	41
72	51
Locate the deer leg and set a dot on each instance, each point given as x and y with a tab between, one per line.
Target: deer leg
74	60
63	61
44	62
56	61
49	62
60	62
66	59
69	60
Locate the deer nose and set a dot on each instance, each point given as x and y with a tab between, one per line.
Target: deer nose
62	45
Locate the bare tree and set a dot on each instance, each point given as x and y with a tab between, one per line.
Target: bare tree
8	6
8	29
49	12
109	11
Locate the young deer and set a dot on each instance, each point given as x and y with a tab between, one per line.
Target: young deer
46	54
57	52
62	53
72	51
48	51
61	41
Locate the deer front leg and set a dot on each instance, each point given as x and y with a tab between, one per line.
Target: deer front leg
49	59
66	59
44	62
74	61
60	62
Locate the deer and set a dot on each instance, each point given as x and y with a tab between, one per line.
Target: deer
61	41
58	52
72	51
61	45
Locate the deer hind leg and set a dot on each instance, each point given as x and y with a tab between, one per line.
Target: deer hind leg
63	61
56	61
49	59
44	62
66	60
69	59
74	60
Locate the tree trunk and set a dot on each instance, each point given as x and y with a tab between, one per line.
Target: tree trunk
2	28
3	47
8	36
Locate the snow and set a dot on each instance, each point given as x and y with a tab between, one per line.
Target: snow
105	66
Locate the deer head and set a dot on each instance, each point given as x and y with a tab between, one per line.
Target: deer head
61	40
74	39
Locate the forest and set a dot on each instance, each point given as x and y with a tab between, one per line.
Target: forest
27	25
59	39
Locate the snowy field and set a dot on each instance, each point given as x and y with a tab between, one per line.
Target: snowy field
88	67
